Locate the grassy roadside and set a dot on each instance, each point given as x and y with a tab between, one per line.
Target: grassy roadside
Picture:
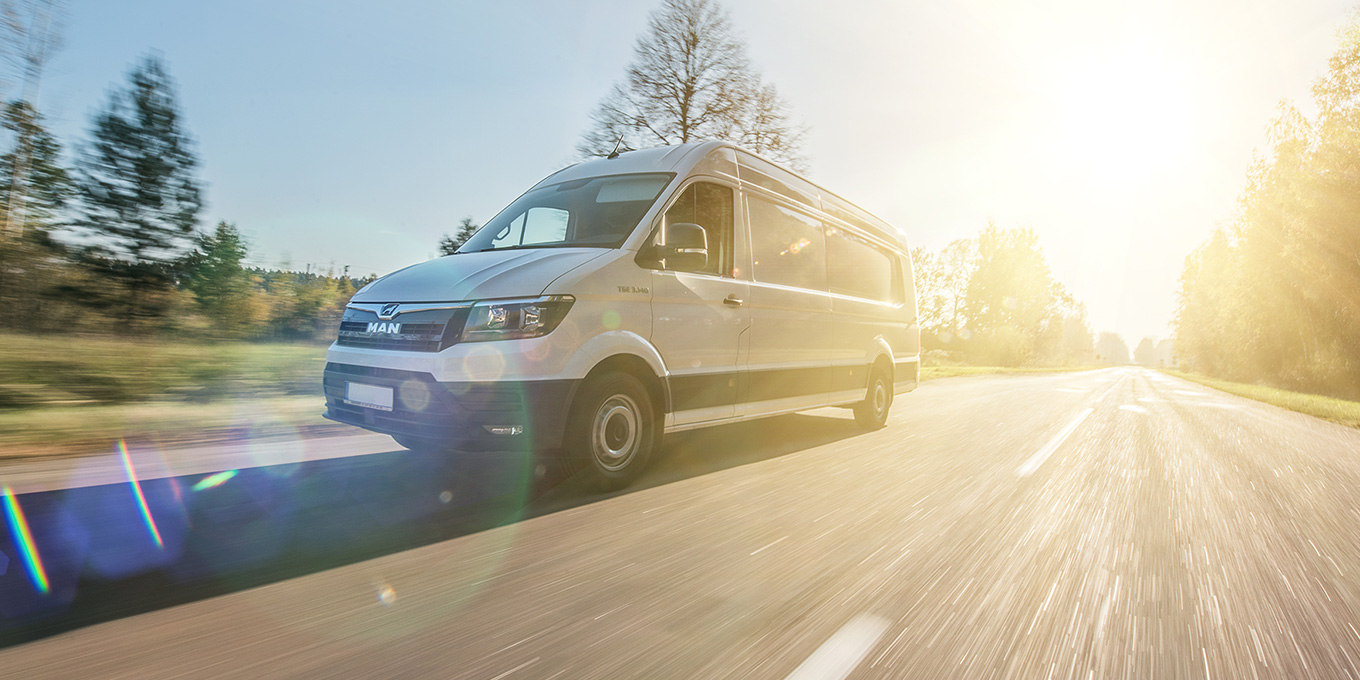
932	372
73	394
68	370
86	429
1327	408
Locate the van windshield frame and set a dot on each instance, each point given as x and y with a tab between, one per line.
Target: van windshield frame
592	212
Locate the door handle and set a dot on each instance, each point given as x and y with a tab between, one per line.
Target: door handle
733	300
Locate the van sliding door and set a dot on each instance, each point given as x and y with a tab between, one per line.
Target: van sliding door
789	364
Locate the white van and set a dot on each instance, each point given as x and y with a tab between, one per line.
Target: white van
626	297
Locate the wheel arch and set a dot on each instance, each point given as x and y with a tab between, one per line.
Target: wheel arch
880	356
637	367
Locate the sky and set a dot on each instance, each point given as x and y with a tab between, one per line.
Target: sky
353	134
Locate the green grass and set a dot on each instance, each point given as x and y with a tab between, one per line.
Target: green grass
84	429
1327	408
64	394
932	372
59	370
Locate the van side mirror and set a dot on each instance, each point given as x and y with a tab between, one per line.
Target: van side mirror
686	247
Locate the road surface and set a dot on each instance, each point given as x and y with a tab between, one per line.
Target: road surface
1105	524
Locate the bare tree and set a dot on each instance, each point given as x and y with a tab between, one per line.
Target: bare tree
690	80
768	130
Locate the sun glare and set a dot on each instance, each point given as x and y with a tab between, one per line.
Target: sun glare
1123	115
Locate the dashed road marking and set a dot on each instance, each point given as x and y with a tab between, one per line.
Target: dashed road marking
1028	467
842	652
771	545
512	670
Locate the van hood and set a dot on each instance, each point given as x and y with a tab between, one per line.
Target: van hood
478	276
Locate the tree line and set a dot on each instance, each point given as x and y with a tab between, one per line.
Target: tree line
110	244
992	300
1273	296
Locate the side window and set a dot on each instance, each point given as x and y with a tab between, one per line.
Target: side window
545	225
510	235
537	225
711	207
787	247
858	268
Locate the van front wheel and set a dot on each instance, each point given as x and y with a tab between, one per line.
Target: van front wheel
872	413
611	433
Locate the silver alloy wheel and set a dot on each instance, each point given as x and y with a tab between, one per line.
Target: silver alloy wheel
614	433
880	398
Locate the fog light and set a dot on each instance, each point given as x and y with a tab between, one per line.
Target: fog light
504	430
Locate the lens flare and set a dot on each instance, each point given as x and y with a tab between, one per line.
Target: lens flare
386	594
28	551
137	493
484	364
212	481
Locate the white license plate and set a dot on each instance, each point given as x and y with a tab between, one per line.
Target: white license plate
370	396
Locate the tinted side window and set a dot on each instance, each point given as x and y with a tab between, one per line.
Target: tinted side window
787	247
763	174
858	268
711	207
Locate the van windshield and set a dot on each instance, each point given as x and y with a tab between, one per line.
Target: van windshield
599	212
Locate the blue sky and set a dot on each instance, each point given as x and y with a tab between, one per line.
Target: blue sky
344	133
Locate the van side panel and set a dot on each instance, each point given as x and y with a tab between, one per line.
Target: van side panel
863	332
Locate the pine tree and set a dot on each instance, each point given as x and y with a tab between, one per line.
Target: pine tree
42	190
139	196
34	188
223	287
449	245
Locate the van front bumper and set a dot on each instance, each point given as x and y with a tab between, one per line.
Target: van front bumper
471	416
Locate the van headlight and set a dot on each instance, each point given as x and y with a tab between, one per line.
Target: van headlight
515	319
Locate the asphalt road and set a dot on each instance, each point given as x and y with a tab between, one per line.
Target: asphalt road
1107	524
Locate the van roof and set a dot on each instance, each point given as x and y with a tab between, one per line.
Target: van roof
683	159
678	159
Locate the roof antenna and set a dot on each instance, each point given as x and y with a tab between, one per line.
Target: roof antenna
615	153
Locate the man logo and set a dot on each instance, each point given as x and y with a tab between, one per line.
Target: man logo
380	327
388	311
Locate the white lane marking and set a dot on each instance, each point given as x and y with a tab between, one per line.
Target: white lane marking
1029	466
769	546
840	654
512	670
1131	407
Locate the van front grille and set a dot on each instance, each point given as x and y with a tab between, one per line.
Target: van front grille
414	337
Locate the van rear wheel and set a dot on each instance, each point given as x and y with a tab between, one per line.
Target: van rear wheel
611	432
872	413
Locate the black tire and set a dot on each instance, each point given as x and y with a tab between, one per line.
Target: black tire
872	413
612	431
